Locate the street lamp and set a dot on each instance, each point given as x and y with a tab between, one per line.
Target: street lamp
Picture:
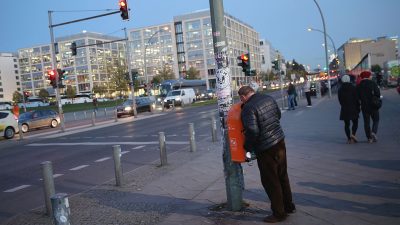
330	38
326	50
145	52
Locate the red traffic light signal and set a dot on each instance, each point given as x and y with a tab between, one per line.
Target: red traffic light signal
245	62
52	74
123	7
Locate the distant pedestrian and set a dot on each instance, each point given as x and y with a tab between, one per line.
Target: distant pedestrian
265	138
350	108
95	104
366	91
307	90
291	95
15	110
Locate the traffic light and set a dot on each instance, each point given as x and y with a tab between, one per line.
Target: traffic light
73	48
275	65
123	7
51	76
61	77
245	63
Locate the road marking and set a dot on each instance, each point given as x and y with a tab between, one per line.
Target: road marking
138	147
79	167
172	135
54	175
103	159
127	136
124	152
108	143
17	188
204	135
100	137
113	136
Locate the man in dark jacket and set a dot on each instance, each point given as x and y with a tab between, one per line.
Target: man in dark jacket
264	137
366	90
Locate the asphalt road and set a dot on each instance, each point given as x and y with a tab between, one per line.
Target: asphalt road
82	160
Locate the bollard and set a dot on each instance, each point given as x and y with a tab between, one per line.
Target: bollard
192	138
213	129
61	211
93	119
74	116
84	114
163	151
115	116
48	185
21	134
105	112
117	165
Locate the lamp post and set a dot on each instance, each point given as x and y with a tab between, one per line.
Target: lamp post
145	54
330	38
326	50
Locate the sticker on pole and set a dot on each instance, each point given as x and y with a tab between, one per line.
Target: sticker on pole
235	134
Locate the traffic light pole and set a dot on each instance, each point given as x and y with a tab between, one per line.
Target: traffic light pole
281	81
131	84
233	171
54	66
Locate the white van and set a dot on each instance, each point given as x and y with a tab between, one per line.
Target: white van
180	97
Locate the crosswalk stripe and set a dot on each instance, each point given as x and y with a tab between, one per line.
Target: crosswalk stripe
79	167
17	188
138	147
103	159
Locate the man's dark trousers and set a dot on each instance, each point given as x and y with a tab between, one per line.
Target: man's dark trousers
272	164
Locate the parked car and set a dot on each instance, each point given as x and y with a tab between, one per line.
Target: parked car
38	119
313	88
180	97
208	94
8	124
5	105
143	104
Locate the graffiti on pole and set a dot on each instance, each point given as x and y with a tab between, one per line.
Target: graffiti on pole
223	79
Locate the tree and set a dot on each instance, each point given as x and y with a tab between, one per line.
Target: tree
376	68
193	74
118	78
99	89
17	97
71	93
43	94
166	73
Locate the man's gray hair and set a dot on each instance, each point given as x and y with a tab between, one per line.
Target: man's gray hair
245	90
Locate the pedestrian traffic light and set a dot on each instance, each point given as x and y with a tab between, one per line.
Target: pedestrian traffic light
275	65
73	48
123	7
61	77
245	63
51	76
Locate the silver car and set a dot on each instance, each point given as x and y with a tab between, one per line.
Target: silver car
38	119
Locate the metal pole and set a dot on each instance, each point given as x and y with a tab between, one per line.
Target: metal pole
281	82
115	115
163	150
213	129
54	66
192	137
326	50
61	211
233	171
105	112
117	165
131	84
21	134
93	119
85	114
48	185
74	116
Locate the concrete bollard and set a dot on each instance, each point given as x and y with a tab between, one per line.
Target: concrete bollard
163	151
105	112
61	211
192	137
173	104
93	119
117	164
74	116
213	129
84	114
115	115
21	134
48	185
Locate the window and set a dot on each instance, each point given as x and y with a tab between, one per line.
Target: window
193	25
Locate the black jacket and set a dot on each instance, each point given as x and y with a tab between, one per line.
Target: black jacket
262	129
348	99
365	90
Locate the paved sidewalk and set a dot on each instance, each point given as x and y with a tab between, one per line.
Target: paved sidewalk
332	182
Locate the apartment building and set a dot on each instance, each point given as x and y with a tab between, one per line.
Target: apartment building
9	76
90	67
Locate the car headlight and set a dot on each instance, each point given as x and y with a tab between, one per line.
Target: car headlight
128	108
202	95
178	99
159	99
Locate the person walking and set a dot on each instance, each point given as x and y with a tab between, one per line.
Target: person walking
15	110
95	105
366	91
265	138
307	89
350	108
291	95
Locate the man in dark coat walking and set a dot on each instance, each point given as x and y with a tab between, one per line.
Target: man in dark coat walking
264	137
350	108
366	90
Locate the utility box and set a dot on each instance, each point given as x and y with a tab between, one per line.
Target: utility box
235	134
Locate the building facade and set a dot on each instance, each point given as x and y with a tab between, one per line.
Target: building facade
9	76
268	54
381	50
91	66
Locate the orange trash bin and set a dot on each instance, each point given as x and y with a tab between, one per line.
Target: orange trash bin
235	134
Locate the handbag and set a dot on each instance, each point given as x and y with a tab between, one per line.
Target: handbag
376	101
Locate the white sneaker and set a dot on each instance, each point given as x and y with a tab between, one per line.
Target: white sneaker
309	106
374	138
